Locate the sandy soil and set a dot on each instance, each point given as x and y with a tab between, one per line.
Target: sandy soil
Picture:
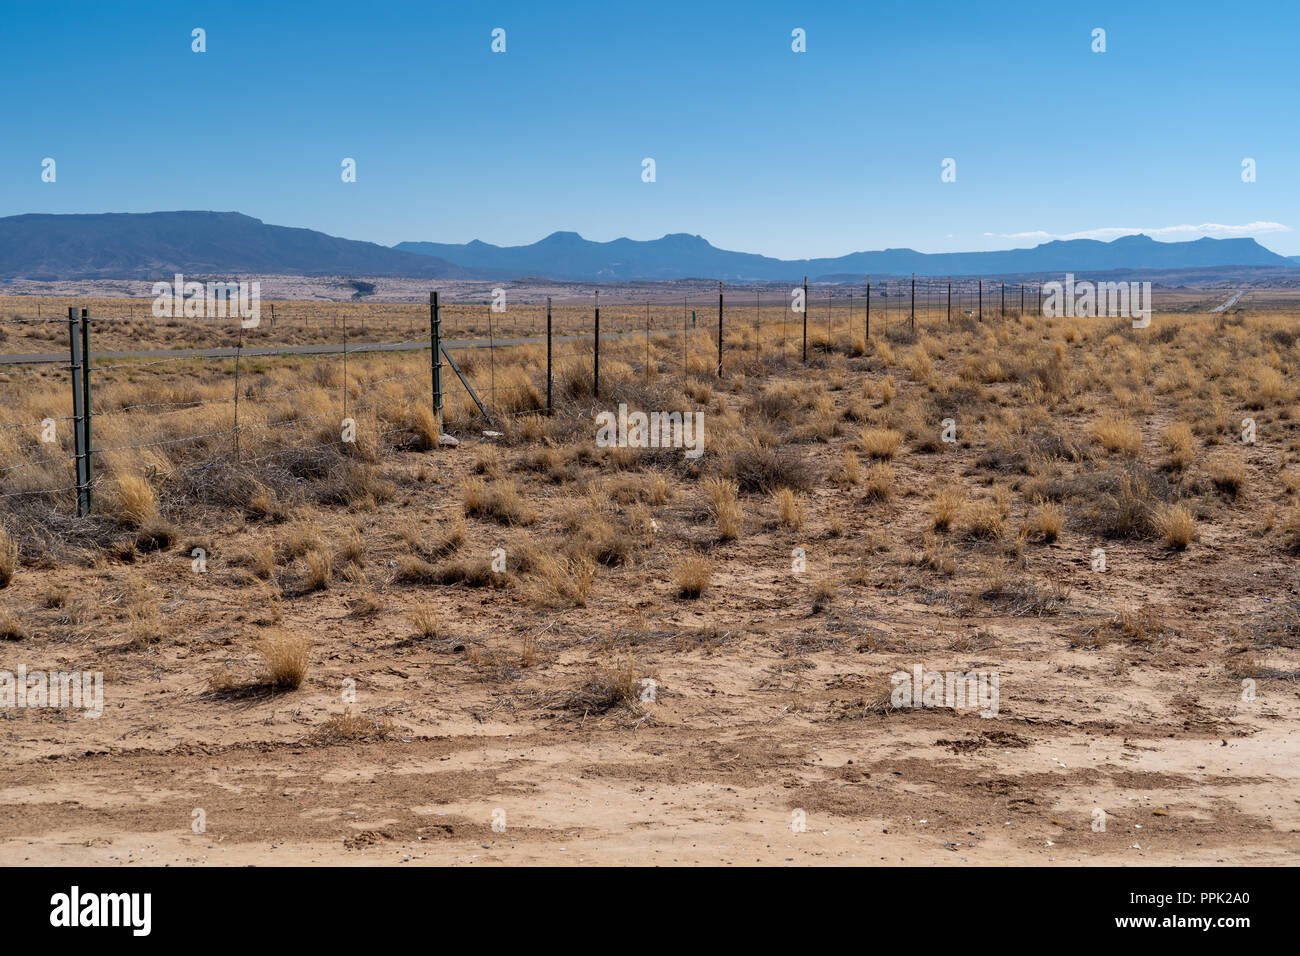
758	715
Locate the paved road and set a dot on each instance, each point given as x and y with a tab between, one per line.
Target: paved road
36	358
1229	304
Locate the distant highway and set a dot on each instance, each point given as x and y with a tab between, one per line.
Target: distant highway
1229	304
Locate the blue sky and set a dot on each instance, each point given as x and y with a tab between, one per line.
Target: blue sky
757	148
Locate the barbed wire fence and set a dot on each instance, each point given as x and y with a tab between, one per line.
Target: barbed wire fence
381	379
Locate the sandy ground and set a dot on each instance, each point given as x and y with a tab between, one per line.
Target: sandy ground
758	715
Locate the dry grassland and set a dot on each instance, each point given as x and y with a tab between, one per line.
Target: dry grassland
356	677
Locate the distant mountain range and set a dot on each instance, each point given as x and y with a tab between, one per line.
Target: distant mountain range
566	255
156	245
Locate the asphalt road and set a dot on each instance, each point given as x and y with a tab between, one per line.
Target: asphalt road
1229	304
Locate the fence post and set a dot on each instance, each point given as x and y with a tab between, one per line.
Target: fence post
981	299
595	365
435	360
719	330
272	315
548	355
1004	299
950	300
85	401
78	413
913	316
866	331
1022	300
805	319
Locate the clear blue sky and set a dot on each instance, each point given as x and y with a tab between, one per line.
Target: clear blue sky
757	148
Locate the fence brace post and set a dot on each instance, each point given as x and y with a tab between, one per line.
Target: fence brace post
78	412
85	401
435	360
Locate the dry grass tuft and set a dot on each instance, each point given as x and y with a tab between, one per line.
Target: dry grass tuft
790	507
937	554
880	482
12	629
1046	521
132	501
691	575
850	472
984	520
882	443
945	506
1228	475
1117	434
8	558
353	728
613	685
823	593
1175	526
500	501
425	623
1290	530
558	581
724	506
1180	443
285	658
319	570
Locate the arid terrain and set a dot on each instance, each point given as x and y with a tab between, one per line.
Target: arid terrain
530	648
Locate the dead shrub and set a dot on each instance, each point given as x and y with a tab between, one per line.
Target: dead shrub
758	469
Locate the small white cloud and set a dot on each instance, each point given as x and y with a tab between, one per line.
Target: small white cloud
1212	229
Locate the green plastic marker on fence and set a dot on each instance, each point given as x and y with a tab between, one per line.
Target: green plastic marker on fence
692	318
